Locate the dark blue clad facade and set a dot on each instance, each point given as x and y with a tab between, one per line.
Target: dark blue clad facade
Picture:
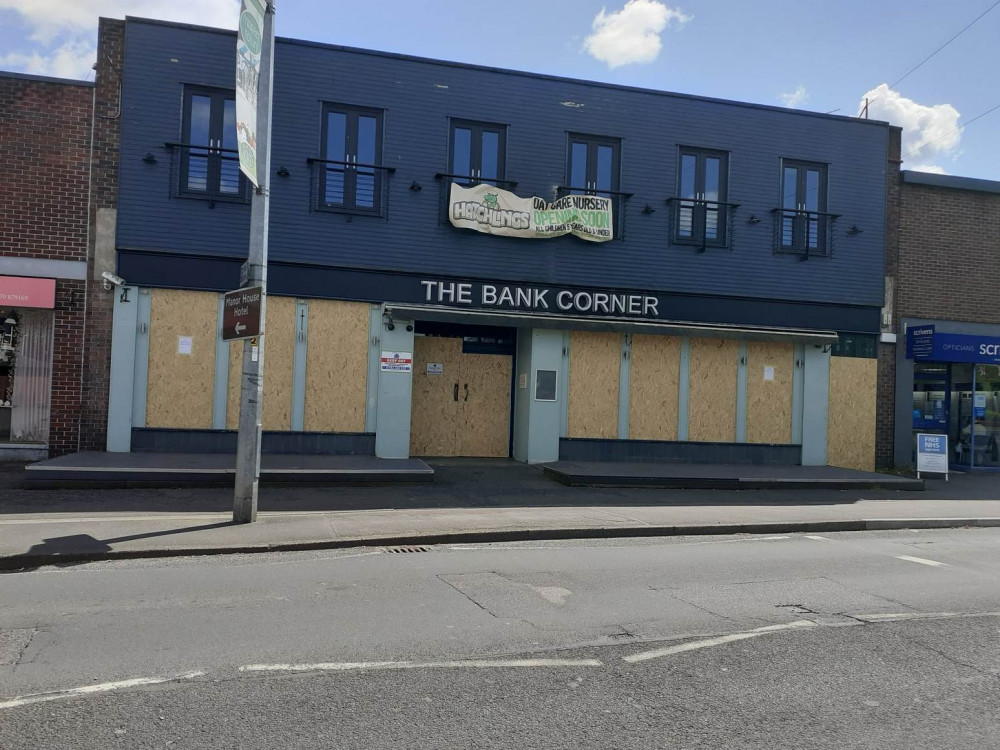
167	239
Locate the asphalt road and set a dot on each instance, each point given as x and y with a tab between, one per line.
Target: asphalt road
878	640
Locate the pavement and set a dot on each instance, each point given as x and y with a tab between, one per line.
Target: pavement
471	500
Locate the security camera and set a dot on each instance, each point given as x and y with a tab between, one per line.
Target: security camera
110	279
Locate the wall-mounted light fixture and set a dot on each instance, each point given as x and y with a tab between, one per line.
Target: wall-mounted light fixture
416	187
283	171
149	158
754	219
648	209
855	229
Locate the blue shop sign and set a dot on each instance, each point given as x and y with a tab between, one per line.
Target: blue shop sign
924	343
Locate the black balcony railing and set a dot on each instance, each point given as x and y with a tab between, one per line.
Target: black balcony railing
807	234
445	181
702	223
349	187
208	172
618	201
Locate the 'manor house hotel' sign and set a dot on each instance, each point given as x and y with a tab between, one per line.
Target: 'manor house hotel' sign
540	299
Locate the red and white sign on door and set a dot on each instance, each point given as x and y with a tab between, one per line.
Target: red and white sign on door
397	361
25	291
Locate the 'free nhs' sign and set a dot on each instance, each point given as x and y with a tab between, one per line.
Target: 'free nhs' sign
932	453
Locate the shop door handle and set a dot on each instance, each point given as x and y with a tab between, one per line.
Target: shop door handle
466	391
456	391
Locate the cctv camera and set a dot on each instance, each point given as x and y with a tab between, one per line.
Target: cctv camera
110	278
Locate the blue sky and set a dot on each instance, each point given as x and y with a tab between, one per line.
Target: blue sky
817	55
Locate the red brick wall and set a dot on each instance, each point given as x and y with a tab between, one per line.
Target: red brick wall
44	154
67	348
949	254
103	194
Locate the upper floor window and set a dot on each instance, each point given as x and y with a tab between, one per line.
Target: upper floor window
478	152
701	209
593	165
209	162
351	178
804	224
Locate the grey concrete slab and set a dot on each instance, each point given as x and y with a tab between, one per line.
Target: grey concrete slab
719	476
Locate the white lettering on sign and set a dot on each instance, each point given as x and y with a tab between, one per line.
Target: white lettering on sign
535	298
991	349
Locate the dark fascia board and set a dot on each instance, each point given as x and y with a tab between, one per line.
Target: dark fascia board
45	79
523	73
950	181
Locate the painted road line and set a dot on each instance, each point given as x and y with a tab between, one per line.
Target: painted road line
708	642
376	665
897	616
105	687
922	561
818	538
771	538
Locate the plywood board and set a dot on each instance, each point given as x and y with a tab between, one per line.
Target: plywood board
280	328
655	372
769	401
851	418
712	399
434	410
179	390
337	366
594	375
233	388
485	404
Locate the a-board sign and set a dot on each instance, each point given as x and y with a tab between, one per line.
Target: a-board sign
241	313
932	453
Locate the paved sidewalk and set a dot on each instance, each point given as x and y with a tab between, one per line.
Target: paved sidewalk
473	501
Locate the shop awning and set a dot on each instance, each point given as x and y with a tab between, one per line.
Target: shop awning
515	319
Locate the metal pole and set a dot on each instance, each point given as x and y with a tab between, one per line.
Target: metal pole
252	380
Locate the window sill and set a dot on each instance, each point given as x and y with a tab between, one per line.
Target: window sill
349	211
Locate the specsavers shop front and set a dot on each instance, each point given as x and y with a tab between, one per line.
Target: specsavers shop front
954	370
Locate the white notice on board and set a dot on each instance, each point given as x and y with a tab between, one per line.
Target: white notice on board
768	372
435	368
183	344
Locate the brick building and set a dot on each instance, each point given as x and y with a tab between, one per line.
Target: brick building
943	376
58	148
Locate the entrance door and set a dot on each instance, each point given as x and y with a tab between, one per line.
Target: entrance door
460	402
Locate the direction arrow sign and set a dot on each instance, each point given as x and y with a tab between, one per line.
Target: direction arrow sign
241	313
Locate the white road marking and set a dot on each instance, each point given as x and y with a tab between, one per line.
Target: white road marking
105	687
818	538
771	538
896	616
708	642
922	561
374	665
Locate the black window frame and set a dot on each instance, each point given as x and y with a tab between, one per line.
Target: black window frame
592	142
212	152
325	165
800	220
699	206
477	129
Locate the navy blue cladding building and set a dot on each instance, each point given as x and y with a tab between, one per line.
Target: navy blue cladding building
748	284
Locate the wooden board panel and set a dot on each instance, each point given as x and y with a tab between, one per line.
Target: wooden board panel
434	412
851	419
233	389
655	373
179	391
594	375
337	366
485	403
712	401
279	362
769	402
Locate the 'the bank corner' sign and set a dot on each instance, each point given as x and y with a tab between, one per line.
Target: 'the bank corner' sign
248	46
489	209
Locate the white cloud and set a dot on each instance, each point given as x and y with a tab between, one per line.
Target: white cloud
929	132
795	98
61	33
632	34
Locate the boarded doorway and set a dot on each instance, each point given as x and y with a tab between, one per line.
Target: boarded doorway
461	393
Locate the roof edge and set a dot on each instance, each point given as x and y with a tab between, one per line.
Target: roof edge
524	73
45	79
952	182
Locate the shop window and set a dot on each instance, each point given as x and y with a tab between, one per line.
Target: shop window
803	224
478	153
209	164
701	213
862	345
25	374
350	172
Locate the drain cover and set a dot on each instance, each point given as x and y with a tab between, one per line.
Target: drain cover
404	550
